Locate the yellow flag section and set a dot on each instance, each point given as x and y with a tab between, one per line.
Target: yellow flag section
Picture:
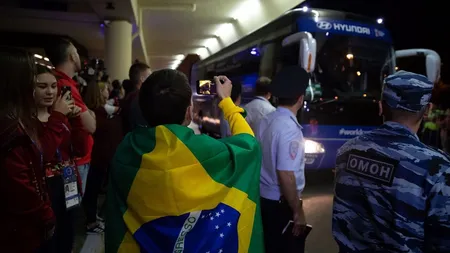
183	177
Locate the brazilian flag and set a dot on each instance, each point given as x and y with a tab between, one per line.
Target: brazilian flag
174	191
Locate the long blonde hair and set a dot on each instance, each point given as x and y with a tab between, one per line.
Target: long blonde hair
93	97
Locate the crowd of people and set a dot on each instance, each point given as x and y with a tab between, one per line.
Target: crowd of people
58	133
172	189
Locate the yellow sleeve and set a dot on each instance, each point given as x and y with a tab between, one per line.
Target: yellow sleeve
232	114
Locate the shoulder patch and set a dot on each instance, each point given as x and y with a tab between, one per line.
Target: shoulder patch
374	167
294	146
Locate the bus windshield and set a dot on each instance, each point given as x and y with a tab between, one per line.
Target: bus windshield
349	66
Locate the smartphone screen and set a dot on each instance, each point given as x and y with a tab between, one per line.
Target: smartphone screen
66	89
206	87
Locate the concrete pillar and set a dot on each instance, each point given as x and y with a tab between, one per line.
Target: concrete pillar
118	49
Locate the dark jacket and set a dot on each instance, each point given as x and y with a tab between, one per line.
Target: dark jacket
26	214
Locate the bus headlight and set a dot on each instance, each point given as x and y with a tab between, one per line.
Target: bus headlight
313	147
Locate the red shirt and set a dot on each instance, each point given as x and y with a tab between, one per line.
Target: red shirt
26	214
64	80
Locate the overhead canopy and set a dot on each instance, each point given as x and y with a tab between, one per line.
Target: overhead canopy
164	31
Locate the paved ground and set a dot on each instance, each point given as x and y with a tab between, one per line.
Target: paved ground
318	201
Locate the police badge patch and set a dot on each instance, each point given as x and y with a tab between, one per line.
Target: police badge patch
293	149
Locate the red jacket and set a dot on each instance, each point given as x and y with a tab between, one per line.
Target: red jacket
26	215
67	137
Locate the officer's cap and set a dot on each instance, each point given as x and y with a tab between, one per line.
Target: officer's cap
290	82
407	91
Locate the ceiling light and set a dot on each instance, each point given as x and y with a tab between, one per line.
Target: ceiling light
179	57
45	58
189	7
224	29
38	56
246	10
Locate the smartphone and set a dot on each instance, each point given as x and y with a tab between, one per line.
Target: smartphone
66	89
206	87
290	225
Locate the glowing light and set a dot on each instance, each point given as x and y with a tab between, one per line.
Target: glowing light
210	42
313	147
224	29
316	15
336	97
380	21
202	52
38	56
349	56
46	59
364	95
246	10
396	68
358	73
175	64
305	8
179	57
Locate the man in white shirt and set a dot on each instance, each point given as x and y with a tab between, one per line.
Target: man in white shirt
259	107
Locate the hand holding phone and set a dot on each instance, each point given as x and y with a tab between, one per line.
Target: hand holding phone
306	229
63	105
66	89
224	86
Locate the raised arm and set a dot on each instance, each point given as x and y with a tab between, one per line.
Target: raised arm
231	112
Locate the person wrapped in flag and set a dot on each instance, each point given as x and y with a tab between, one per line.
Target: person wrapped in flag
173	191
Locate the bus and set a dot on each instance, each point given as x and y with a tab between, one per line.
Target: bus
347	56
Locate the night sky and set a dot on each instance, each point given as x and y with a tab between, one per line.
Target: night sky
413	23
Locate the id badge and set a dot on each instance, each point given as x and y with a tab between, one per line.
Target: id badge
71	192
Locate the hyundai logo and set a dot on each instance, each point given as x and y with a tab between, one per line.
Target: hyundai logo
324	25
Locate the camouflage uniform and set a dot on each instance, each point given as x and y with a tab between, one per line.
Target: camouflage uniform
392	192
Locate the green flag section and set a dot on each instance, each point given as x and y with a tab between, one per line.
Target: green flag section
174	191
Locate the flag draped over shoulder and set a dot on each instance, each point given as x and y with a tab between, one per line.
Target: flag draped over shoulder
174	191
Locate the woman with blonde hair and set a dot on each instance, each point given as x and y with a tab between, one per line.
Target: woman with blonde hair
106	139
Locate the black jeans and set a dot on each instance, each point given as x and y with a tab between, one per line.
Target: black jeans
93	187
275	216
63	239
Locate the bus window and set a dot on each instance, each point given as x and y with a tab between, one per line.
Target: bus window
415	64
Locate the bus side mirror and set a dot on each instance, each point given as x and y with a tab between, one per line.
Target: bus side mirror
308	48
432	61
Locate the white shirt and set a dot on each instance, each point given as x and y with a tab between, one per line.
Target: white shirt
283	149
110	109
256	110
194	127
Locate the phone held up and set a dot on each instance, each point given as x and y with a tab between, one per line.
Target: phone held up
207	87
66	89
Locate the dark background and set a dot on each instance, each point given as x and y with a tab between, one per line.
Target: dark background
413	24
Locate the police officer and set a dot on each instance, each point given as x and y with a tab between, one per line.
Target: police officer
392	192
282	171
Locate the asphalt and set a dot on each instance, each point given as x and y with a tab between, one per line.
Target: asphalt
318	203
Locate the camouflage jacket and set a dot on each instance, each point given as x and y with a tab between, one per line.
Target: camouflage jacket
392	194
